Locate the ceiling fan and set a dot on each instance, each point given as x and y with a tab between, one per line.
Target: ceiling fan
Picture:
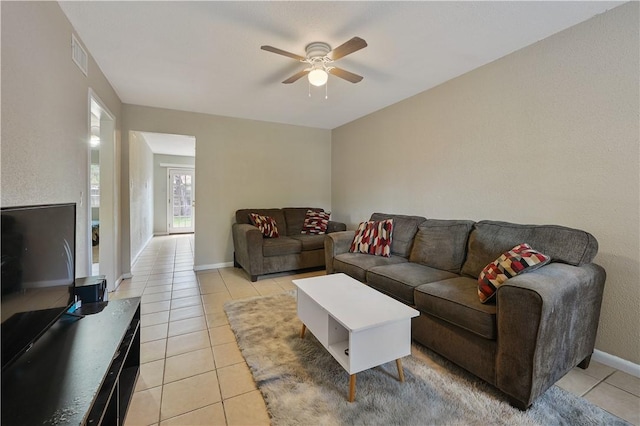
320	58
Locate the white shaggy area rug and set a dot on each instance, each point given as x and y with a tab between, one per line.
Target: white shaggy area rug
303	385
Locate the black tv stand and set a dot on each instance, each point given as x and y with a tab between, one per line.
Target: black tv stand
78	372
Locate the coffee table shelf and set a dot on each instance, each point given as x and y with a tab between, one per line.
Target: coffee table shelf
343	313
337	350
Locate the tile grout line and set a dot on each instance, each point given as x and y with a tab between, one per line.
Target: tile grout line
591	388
598	383
617	387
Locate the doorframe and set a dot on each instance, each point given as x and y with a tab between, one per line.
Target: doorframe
192	169
107	257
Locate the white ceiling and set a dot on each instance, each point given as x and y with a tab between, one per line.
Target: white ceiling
163	143
205	56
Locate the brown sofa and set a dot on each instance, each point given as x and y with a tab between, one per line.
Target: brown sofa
542	324
291	251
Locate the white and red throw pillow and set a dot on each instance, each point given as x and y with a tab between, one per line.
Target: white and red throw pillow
315	222
266	224
521	258
373	237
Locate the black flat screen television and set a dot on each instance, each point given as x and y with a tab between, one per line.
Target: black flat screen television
38	272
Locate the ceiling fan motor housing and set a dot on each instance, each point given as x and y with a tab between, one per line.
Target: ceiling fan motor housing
317	49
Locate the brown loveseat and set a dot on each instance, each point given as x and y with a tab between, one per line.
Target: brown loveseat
542	323
292	250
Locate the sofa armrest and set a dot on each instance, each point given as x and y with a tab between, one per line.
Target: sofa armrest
247	245
334	244
547	324
336	227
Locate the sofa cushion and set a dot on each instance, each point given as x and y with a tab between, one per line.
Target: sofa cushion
280	246
356	265
315	222
521	258
295	218
266	224
399	280
310	242
441	244
456	301
373	238
404	229
490	239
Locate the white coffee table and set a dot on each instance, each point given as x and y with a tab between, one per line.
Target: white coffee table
344	314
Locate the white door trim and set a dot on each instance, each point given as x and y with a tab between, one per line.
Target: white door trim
109	193
178	166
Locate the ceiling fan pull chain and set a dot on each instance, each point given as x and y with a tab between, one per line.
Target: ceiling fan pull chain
326	90
309	89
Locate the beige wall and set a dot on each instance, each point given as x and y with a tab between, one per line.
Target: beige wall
239	164
140	193
45	114
548	134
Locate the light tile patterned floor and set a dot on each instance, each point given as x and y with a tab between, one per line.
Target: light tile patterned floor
193	373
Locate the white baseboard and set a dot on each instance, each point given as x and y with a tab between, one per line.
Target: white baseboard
213	266
616	362
127	276
160	234
118	282
120	279
144	246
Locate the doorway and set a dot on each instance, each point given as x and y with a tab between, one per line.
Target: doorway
181	210
151	193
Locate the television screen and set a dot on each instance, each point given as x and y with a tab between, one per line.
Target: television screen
38	272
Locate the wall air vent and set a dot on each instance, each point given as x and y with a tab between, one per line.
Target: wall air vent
79	55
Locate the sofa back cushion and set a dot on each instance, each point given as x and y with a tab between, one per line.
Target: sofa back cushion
441	244
404	229
490	239
242	216
295	218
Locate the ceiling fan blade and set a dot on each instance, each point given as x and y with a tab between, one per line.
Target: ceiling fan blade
346	75
282	52
297	76
346	48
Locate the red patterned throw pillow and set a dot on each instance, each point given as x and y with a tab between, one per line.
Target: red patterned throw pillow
315	222
521	258
373	237
266	224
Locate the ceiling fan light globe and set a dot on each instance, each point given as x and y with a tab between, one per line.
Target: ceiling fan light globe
318	77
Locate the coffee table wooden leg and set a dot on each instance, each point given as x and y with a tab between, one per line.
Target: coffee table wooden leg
304	328
400	371
352	388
